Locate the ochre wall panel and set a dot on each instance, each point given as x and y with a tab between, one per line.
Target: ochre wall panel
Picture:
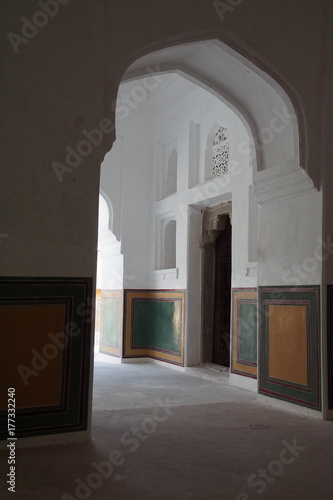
25	344
288	343
45	337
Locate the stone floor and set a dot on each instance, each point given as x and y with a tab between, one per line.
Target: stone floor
161	434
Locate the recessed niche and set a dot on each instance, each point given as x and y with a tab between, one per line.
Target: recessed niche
170	245
171	174
167	166
166	244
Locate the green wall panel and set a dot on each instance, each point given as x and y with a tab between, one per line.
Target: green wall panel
157	324
244	332
247	338
110	322
154	325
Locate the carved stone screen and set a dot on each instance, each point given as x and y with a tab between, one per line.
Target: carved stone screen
221	152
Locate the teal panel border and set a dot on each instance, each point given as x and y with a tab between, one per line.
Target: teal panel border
309	296
76	293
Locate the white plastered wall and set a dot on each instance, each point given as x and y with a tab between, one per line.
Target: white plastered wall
154	127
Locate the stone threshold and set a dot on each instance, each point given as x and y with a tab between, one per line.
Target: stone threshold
209	371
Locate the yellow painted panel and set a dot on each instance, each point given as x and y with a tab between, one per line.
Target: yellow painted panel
36	375
288	343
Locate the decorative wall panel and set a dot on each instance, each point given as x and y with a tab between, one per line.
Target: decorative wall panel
154	325
98	311
244	332
290	344
110	340
330	344
45	328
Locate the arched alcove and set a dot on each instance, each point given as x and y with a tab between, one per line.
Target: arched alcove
169	254
171	173
110	259
104	215
105	211
103	230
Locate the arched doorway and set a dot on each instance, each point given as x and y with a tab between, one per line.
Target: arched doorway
267	140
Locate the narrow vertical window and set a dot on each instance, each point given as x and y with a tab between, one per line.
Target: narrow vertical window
221	152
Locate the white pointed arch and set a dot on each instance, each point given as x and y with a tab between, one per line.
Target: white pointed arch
110	209
276	126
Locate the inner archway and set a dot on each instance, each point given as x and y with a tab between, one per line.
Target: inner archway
171	117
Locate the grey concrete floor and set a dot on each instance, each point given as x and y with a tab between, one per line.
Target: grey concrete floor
161	434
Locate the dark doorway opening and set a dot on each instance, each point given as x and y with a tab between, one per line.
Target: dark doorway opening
222	297
216	284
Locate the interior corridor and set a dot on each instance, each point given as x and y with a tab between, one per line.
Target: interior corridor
171	435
